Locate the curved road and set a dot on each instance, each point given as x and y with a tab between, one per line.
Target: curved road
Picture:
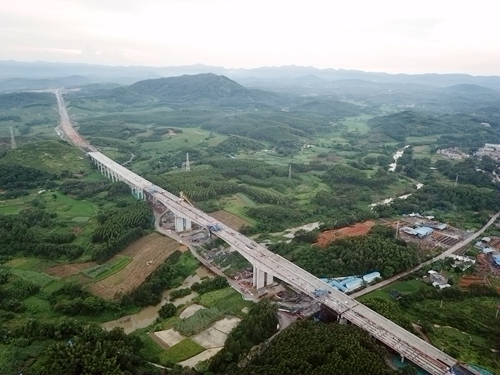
443	255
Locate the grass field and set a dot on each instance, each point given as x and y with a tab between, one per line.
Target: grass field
49	155
187	348
357	124
102	271
400	286
37	278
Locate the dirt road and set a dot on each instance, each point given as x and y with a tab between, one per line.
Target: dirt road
65	125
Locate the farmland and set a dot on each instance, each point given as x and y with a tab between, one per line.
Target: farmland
147	254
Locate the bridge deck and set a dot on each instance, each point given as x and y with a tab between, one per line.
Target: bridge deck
410	346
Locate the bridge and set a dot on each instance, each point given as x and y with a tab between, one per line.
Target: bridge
267	265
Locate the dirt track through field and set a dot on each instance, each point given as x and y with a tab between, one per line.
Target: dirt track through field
358	229
147	254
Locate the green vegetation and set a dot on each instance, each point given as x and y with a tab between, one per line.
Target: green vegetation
197	322
257	326
354	255
448	318
316	348
169	275
181	351
168	310
103	271
218	282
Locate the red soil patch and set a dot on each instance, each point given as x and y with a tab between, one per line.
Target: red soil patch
358	229
468	280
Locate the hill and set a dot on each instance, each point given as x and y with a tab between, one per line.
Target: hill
201	89
26	99
21	84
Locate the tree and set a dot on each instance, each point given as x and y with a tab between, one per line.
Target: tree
167	311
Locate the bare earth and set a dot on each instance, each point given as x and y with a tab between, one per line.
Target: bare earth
169	337
148	253
190	310
193	361
66	270
358	229
229	219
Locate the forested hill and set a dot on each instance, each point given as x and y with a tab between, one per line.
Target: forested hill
404	124
26	99
200	88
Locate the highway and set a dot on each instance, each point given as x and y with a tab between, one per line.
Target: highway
408	345
443	255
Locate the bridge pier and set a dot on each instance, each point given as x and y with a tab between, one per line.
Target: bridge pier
261	278
137	191
182	224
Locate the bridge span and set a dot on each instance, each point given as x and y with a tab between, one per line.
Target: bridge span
267	265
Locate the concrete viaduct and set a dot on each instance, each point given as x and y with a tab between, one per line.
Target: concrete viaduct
267	265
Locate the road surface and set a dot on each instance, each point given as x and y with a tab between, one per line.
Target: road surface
443	255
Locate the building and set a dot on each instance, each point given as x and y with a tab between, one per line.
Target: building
369	277
437	225
423	232
353	284
496	259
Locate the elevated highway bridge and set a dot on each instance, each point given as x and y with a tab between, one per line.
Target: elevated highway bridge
268	265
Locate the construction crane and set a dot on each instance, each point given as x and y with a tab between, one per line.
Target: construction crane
186	199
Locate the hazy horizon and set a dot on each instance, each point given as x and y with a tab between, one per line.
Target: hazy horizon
386	36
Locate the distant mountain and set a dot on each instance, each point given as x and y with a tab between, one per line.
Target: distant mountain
125	75
201	89
23	84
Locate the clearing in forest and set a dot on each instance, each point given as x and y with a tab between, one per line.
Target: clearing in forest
358	229
147	254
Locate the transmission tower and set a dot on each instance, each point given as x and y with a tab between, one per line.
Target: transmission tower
289	172
12	139
188	167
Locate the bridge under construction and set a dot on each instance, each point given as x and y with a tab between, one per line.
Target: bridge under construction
267	265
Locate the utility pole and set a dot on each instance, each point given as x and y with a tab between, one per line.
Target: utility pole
456	180
289	171
188	167
397	230
12	140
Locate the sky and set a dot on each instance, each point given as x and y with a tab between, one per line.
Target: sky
439	36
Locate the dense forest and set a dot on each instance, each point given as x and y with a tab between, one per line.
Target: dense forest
308	347
379	250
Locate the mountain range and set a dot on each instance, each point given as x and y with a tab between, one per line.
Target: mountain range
296	75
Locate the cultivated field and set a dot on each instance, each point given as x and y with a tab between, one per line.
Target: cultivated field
358	229
147	254
229	219
66	270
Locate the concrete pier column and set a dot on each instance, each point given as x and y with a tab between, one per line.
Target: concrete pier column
182	224
402	358
261	278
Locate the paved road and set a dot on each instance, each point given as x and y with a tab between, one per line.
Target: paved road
443	255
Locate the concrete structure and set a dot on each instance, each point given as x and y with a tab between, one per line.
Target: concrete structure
266	265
